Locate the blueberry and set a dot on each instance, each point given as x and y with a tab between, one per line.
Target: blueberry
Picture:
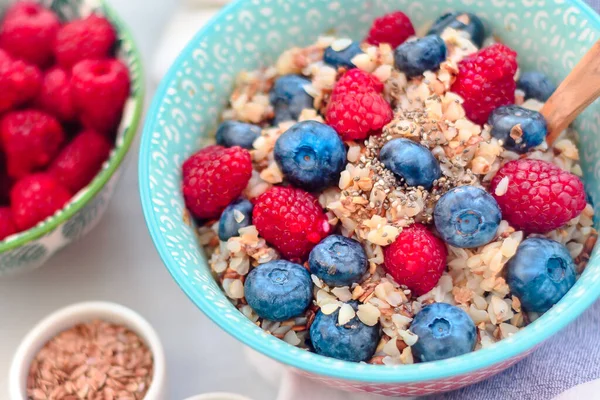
460	21
410	161
342	58
353	341
536	85
519	128
467	217
540	273
278	290
237	215
417	56
444	331
289	97
311	155
338	261
234	133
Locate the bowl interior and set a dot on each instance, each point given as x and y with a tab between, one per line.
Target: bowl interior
127	52
550	36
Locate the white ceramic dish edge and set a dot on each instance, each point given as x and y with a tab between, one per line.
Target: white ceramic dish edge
65	318
218	396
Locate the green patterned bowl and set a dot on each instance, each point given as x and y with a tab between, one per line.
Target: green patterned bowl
549	35
32	248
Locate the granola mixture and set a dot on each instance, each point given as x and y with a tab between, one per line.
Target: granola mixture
370	206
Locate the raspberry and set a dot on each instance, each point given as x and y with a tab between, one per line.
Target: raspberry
393	28
79	162
7	224
357	108
91	38
416	259
291	220
486	81
100	89
30	139
214	177
356	80
35	198
19	82
4	56
28	32
540	196
55	95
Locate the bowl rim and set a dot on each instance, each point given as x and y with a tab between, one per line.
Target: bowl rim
101	179
518	344
54	323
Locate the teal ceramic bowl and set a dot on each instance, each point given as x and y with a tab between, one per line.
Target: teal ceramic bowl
550	36
32	248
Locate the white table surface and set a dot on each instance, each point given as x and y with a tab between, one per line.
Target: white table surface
117	262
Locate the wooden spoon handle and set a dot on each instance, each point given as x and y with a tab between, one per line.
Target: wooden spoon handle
579	89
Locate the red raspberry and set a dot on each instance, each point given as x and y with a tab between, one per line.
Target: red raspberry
357	115
30	139
100	89
356	80
35	198
393	28
79	162
540	196
291	220
19	82
486	81
91	38
356	108
7	224
4	56
28	32
55	95
214	177
416	259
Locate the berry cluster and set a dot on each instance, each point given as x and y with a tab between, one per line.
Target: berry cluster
62	96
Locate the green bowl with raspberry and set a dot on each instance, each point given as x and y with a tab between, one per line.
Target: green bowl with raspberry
32	248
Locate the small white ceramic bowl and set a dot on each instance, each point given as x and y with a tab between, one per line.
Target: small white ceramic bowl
69	316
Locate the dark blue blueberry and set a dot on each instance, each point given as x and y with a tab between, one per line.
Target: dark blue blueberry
311	155
536	85
520	129
444	331
540	273
237	215
289	97
338	261
410	161
278	290
460	21
234	133
417	56
353	341
342	58
467	216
